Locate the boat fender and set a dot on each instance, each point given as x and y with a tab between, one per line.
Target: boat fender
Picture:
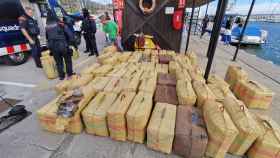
178	19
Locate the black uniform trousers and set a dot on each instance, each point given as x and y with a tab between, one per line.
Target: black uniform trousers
90	39
61	58
36	51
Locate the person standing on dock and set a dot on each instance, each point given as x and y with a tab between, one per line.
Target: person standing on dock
205	22
89	31
30	29
109	27
59	37
227	34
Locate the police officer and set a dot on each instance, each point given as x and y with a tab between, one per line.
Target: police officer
59	36
30	29
89	30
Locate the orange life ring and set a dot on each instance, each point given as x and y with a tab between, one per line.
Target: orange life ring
147	10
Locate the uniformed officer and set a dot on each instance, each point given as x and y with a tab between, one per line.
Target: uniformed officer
30	29
59	36
89	30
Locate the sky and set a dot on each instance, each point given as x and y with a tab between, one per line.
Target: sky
241	6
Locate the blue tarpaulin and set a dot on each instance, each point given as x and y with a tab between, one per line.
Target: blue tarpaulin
250	31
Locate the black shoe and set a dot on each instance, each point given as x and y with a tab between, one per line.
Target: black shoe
61	78
86	51
96	54
91	54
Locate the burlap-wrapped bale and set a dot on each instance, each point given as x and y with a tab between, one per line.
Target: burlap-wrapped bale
118	71
183	74
90	69
253	94
190	133
173	66
102	70
131	69
50	121
166	79
268	144
219	93
148	74
148	84
234	74
218	82
203	93
113	60
196	75
166	94
110	49
245	123
148	66
123	57
95	114
135	57
138	116
185	93
76	81
160	131
116	116
49	66
116	85
221	130
99	83
162	68
133	82
193	58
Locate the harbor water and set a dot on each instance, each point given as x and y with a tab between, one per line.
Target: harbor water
271	50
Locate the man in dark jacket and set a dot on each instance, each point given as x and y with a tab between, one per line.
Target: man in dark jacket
89	30
59	37
30	29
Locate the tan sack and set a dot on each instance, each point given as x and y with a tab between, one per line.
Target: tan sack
76	81
90	69
221	130
50	121
193	58
245	123
133	82
234	74
218	82
148	84
49	66
138	116
99	83
185	93
253	94
160	131
102	70
183	74
116	116
203	93
162	68
218	92
268	144
95	114
173	66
